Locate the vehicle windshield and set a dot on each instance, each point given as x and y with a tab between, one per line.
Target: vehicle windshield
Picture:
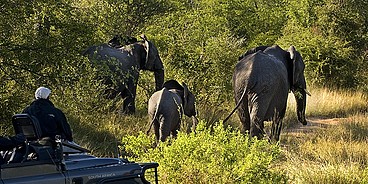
70	148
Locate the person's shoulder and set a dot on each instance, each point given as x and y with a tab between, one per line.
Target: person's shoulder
59	111
25	110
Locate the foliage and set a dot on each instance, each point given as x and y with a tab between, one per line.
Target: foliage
127	17
199	42
196	46
327	58
257	22
218	155
332	38
39	46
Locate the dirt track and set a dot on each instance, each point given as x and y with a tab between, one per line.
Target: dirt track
314	123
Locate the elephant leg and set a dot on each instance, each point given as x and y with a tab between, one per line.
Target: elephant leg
174	131
257	117
156	127
256	129
129	105
164	130
276	129
243	113
277	125
129	98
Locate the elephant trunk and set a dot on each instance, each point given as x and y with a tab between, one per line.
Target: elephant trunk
301	98
195	123
159	78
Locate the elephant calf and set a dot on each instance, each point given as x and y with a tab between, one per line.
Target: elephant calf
166	108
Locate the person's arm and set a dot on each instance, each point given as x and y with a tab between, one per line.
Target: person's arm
65	126
10	143
6	144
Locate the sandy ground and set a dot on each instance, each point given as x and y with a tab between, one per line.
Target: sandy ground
314	123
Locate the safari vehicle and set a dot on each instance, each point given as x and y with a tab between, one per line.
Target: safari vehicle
66	163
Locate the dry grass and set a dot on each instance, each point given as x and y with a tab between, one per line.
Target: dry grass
333	154
333	103
328	103
332	150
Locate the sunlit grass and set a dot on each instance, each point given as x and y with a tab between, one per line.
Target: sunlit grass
305	172
101	133
328	103
336	154
332	103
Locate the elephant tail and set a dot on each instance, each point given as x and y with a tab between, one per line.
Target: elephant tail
237	105
156	111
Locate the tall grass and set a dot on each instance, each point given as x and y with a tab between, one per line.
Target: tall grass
328	103
332	103
336	154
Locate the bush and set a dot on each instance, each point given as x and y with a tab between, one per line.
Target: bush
218	155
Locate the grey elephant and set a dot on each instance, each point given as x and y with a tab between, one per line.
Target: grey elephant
262	80
126	61
167	106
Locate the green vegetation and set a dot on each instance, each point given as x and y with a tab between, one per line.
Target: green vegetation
199	42
218	155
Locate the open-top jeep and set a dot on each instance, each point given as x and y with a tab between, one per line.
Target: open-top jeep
65	163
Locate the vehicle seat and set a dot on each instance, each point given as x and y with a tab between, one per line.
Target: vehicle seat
37	147
27	125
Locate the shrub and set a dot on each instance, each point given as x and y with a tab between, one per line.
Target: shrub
217	155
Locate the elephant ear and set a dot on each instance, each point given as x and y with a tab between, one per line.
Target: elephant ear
297	63
186	93
150	56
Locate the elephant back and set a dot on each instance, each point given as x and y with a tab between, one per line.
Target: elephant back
118	41
260	71
252	51
167	102
173	84
113	56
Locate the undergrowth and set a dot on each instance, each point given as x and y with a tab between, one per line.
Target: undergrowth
211	155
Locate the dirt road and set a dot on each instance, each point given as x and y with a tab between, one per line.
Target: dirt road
314	123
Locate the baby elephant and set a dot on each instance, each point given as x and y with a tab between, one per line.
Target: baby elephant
166	108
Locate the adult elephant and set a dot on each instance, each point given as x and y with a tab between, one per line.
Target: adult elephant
262	80
167	106
126	62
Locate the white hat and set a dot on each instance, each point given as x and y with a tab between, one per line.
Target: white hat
42	92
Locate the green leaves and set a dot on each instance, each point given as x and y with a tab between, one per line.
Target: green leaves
329	37
218	155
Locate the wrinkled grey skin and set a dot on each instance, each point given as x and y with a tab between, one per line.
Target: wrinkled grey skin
167	106
267	74
126	61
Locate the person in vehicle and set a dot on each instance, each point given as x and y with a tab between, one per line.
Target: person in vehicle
52	120
8	143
